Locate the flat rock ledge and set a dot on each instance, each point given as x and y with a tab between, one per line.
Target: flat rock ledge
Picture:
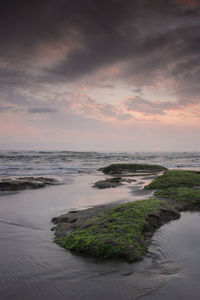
115	231
125	231
22	183
120	171
126	168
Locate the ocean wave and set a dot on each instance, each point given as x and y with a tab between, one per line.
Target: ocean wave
73	162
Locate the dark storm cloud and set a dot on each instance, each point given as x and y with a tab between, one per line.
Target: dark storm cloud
149	35
153	38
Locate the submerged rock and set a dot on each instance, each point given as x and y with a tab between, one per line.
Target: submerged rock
22	183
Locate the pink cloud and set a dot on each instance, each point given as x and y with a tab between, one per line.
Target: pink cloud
81	104
162	112
186	2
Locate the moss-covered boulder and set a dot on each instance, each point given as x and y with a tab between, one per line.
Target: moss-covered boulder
174	179
120	231
132	168
188	196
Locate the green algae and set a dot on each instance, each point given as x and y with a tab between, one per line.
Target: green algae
174	179
132	168
181	194
118	232
121	231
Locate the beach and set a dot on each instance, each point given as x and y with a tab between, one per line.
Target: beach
33	267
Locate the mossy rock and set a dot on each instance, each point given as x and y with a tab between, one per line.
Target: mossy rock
131	168
120	231
185	195
174	179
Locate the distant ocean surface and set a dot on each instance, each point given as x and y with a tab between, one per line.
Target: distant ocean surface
22	163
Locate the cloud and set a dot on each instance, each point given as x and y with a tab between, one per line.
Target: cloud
137	90
107	86
77	37
42	110
186	2
65	57
139	104
83	105
5	108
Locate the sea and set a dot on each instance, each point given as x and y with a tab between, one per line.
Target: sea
33	267
28	163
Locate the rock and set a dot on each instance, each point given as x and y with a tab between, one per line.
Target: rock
175	179
108	183
124	231
119	231
45	180
129	180
22	183
112	182
132	168
16	185
55	220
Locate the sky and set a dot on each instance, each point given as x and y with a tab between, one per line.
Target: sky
109	75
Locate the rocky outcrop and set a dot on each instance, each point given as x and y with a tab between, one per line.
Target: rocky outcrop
118	231
112	182
22	183
125	230
132	168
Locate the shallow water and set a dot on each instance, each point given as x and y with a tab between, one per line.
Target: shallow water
180	241
33	267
